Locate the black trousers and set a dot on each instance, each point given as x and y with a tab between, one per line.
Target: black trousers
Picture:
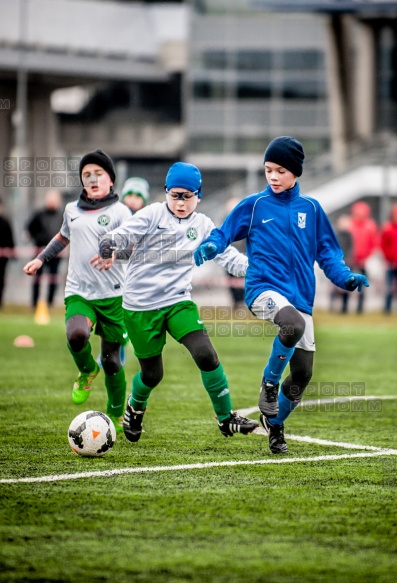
52	268
3	267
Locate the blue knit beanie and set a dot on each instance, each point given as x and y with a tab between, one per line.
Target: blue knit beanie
287	152
184	175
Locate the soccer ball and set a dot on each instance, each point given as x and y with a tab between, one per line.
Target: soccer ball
91	434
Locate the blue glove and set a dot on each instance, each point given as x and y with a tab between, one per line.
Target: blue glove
356	280
205	252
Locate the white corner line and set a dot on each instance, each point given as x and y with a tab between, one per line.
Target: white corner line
308	439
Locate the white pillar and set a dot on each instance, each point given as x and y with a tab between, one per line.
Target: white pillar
364	74
336	102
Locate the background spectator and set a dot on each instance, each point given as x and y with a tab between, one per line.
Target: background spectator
388	244
6	248
42	227
135	193
364	233
342	230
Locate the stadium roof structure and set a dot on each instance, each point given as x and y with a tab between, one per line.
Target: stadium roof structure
90	39
374	8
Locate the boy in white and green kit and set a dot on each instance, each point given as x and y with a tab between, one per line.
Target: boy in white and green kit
92	300
156	299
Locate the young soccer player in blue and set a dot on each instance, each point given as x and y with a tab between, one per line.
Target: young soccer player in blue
285	232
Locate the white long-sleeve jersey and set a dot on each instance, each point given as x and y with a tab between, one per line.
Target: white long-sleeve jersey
159	272
84	229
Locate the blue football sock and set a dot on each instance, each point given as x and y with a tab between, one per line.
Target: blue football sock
279	358
285	408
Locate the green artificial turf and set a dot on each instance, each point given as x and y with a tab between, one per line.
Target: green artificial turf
320	521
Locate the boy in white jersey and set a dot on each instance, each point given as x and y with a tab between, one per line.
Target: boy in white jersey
135	195
156	297
90	299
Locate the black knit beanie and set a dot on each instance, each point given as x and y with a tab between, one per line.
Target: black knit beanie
287	152
101	159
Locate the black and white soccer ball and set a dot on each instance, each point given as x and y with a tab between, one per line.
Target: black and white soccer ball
91	434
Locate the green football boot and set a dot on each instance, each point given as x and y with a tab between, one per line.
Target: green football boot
82	385
117	422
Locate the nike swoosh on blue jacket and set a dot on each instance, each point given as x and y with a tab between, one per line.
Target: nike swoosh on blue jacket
282	251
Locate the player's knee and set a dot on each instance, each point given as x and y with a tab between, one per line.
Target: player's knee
291	324
297	385
111	364
302	376
151	378
77	339
206	359
201	349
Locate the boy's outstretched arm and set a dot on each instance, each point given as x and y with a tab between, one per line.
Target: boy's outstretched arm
110	247
119	243
330	257
233	261
54	248
234	228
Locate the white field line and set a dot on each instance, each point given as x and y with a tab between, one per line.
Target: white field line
307	439
376	452
200	466
311	402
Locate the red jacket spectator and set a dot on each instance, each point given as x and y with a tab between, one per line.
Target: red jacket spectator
364	233
388	240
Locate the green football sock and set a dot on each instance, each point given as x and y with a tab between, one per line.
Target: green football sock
140	393
216	386
116	389
84	359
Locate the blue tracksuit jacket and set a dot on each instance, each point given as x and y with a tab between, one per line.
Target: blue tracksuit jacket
285	234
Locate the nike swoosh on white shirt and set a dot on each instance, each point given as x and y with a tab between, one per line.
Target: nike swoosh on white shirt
267	220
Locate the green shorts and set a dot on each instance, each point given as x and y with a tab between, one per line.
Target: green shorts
147	330
106	315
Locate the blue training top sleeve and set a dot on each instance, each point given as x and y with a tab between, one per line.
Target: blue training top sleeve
329	253
235	227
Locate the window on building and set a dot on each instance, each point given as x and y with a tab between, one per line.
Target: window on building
285	74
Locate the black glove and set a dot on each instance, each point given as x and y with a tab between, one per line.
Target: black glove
106	248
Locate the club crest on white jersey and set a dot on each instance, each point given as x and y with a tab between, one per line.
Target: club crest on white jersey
103	220
192	234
